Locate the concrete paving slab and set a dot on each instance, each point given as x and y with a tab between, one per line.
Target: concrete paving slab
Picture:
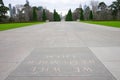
6	68
110	57
107	54
14	53
62	62
114	68
17	44
97	39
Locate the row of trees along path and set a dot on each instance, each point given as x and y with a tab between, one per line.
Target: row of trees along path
99	11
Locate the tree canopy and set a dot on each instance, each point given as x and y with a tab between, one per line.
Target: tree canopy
3	10
81	14
44	18
56	16
69	16
91	15
34	14
115	7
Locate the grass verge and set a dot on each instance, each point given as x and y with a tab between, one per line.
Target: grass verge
105	23
8	26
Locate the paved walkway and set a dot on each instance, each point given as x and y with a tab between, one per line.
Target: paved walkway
60	51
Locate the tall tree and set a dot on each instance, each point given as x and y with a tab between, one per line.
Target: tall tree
34	14
115	7
102	11
49	15
3	10
91	15
56	16
28	11
94	5
76	14
44	17
81	14
102	6
87	13
69	16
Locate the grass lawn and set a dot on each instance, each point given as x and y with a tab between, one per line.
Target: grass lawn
16	25
106	23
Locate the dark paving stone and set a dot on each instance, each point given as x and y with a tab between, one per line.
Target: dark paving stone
61	64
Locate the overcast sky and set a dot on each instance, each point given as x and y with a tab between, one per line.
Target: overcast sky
60	5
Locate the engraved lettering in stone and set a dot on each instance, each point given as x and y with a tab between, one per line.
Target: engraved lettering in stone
64	56
73	56
65	62
88	69
84	62
49	56
44	62
73	62
30	62
54	62
58	56
56	69
67	56
39	62
77	69
34	69
43	69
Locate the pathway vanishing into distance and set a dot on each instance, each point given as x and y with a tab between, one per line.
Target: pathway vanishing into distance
60	51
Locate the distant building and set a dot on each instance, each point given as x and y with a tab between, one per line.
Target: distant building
10	10
14	10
